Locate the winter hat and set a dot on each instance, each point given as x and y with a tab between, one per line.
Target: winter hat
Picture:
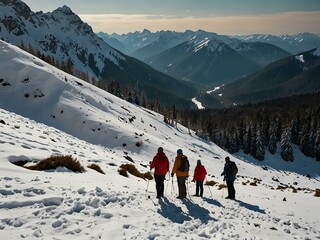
179	151
199	161
160	149
227	158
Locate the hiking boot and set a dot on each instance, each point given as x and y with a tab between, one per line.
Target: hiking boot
228	197
196	195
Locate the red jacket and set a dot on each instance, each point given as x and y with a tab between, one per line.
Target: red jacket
199	173
160	163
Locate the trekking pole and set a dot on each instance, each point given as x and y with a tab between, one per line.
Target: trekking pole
209	189
147	187
173	191
223	189
167	184
188	188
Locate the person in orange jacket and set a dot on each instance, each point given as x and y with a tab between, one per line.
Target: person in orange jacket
160	163
181	175
198	177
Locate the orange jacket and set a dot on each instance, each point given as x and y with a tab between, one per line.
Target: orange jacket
176	165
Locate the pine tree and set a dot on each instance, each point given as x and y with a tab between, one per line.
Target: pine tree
317	146
286	148
295	129
279	130
304	138
234	142
241	132
247	141
253	150
272	146
259	145
265	134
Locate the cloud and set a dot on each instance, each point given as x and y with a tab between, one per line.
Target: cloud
280	23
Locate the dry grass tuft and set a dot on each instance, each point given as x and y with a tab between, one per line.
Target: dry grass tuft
130	168
317	193
96	167
123	172
210	183
54	162
222	186
282	187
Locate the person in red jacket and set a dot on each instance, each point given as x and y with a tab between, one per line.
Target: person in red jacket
160	163
198	177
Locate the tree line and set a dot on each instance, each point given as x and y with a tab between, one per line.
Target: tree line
261	127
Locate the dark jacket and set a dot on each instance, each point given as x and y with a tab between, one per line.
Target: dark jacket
227	172
160	163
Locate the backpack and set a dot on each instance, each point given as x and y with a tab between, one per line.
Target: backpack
234	169
184	166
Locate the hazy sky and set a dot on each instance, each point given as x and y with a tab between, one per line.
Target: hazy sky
220	16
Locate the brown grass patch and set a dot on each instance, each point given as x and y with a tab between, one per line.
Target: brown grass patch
54	162
253	183
210	183
130	168
222	186
96	167
282	187
317	193
123	172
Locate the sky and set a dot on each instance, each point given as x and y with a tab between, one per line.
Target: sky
60	204
232	17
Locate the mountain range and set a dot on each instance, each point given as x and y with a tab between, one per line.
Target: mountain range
203	62
170	53
293	75
65	37
167	66
294	44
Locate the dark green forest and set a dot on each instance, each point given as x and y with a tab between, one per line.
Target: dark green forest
256	128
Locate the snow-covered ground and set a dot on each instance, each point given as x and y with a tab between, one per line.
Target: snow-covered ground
45	112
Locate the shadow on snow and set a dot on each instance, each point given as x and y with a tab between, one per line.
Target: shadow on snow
251	207
174	213
213	202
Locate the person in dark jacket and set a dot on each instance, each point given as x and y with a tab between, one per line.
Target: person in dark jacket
229	178
160	163
198	177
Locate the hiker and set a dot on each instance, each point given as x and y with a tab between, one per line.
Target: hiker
229	177
182	172
160	163
198	177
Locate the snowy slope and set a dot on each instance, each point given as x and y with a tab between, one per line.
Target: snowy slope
44	111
